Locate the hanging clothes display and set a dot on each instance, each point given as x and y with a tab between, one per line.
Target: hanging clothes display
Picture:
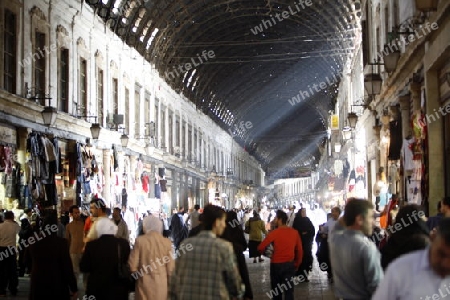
116	161
145	179
163	184
157	191
45	161
416	144
395	144
12	182
393	177
407	153
124	197
345	168
157	187
413	189
351	180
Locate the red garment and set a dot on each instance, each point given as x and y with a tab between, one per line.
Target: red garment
145	180
383	242
286	244
386	217
87	224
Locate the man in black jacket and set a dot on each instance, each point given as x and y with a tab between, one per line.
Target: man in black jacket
178	229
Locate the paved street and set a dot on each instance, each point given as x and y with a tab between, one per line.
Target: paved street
317	289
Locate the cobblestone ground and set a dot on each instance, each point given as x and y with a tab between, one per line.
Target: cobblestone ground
318	288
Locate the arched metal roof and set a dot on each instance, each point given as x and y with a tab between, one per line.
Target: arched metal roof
261	61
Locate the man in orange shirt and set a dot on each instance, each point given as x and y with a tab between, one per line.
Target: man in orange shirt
286	258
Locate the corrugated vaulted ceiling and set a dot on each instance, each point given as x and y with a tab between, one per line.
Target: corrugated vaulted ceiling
266	54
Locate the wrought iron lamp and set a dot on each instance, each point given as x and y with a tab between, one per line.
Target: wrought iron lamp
95	130
124	140
372	83
391	59
49	115
352	119
95	127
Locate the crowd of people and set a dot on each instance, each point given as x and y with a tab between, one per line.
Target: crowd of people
407	259
200	255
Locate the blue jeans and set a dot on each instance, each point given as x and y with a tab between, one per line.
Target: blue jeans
281	275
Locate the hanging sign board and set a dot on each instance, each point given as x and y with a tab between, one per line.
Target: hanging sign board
8	135
334	123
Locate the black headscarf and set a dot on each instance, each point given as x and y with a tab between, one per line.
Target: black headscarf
234	233
409	233
304	224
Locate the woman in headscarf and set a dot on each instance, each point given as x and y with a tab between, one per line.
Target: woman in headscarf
151	261
257	228
307	232
101	259
409	233
235	235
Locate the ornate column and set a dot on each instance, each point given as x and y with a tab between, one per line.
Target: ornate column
435	132
167	130
186	139
173	131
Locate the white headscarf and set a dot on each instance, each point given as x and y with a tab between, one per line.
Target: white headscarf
105	226
152	223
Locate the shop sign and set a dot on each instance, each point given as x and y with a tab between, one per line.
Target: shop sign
8	135
334	122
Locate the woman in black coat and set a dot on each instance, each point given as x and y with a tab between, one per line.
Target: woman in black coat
100	260
411	234
306	230
235	235
52	274
25	233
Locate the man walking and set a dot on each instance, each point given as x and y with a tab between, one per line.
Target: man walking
97	209
122	228
193	217
178	228
74	236
291	216
286	258
206	267
323	254
8	261
355	259
421	274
